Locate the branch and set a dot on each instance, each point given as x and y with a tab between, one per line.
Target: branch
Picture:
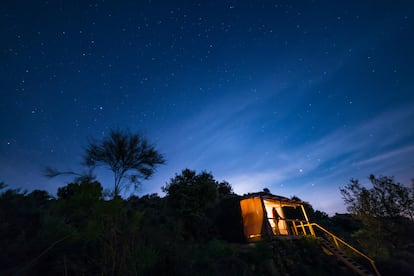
53	172
43	253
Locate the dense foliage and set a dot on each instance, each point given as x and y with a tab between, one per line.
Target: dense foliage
386	198
80	232
385	212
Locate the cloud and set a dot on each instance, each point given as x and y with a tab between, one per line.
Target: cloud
224	137
330	161
387	155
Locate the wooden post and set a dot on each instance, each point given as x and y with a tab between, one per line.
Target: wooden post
303	228
307	221
295	228
336	242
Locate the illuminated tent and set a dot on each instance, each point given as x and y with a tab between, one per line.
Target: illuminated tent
263	215
259	215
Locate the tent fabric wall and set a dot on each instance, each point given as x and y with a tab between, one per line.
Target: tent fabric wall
252	215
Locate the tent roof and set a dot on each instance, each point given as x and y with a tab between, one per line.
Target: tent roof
282	199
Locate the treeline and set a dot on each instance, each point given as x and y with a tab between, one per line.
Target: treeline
86	231
80	232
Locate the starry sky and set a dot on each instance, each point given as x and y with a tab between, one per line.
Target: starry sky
295	96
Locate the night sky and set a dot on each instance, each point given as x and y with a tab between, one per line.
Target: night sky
298	97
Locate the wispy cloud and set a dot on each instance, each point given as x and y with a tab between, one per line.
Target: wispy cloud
224	137
387	155
330	161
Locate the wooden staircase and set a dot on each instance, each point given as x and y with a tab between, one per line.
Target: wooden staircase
333	245
330	249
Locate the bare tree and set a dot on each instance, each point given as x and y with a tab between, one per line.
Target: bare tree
129	156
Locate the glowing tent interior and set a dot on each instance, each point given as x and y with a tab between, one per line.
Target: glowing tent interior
258	215
264	214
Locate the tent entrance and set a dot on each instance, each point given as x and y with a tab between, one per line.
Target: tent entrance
276	217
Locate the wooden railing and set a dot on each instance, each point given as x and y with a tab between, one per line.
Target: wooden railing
338	241
301	227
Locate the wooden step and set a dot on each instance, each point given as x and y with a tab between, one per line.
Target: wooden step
342	257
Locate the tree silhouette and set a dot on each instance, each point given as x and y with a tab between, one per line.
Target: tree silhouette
386	214
224	189
190	195
87	176
190	192
385	199
129	156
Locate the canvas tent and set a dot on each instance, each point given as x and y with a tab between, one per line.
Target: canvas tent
264	214
258	215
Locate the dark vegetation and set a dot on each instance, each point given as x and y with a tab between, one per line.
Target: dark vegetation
386	226
82	232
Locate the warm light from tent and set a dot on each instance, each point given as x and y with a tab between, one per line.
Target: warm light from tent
252	214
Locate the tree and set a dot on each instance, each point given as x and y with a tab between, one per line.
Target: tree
191	197
386	214
77	202
385	199
129	156
85	176
224	189
91	190
190	192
